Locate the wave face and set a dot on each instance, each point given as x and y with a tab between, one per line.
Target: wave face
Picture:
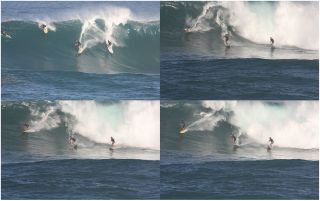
92	123
292	124
136	39
249	24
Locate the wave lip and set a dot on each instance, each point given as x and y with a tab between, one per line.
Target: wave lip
134	46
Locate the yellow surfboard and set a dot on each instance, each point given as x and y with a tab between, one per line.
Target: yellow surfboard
45	30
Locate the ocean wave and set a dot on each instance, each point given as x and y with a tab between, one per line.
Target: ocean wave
134	45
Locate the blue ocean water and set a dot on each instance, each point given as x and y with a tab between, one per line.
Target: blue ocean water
81	179
197	65
203	163
270	179
38	66
240	79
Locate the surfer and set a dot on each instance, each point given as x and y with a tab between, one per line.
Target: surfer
188	29
112	141
271	42
77	44
25	127
108	44
234	138
5	34
271	142
43	26
72	140
226	40
182	125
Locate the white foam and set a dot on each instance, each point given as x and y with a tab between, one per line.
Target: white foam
292	124
131	123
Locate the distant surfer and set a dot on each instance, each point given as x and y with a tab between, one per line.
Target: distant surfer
112	141
272	42
5	34
72	141
112	144
44	28
226	40
270	143
77	44
234	138
25	127
109	46
182	125
188	29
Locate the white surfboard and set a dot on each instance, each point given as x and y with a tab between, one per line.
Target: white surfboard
110	49
81	49
28	131
45	30
183	131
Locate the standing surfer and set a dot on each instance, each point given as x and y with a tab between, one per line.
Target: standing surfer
234	138
112	141
271	143
226	40
272	42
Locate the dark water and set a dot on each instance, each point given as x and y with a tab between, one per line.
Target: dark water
271	179
46	66
81	179
53	85
241	79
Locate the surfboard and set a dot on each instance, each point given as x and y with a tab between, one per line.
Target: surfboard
111	149
81	49
6	36
110	49
45	30
28	131
183	131
187	30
